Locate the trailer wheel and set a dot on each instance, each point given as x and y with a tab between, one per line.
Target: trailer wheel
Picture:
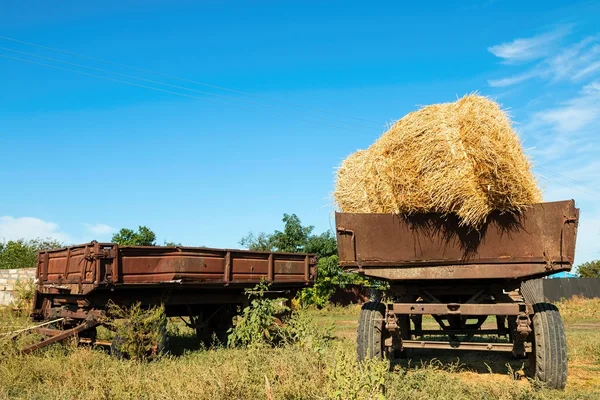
371	332
548	360
533	291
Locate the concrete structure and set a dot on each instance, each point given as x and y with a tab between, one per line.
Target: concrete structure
8	279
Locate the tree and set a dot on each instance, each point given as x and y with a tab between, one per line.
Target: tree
590	269
128	237
296	238
23	253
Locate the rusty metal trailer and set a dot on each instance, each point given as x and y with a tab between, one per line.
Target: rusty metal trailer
461	277
75	284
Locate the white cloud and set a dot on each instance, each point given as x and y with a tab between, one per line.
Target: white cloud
573	62
512	80
569	63
592	88
588	237
12	228
100	229
578	179
575	114
528	49
590	69
562	134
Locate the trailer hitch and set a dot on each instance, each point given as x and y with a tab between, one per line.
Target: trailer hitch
523	330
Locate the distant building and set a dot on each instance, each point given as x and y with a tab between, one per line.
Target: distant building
562	274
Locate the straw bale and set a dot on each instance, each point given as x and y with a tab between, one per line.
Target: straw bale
462	158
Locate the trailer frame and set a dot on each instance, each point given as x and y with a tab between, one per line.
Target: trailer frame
435	266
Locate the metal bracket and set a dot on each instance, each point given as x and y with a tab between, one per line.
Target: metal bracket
344	231
394	341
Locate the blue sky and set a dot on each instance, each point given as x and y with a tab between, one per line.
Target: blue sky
273	96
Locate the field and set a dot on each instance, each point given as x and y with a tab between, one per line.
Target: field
313	368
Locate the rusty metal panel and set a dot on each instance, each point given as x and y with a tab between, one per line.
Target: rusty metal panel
473	346
80	269
460	309
465	271
72	265
250	266
539	242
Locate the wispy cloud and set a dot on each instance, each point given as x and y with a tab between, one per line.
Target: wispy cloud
559	123
512	80
529	49
554	62
575	114
14	228
590	69
572	62
99	229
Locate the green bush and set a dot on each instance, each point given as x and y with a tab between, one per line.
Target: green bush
258	323
23	292
23	253
139	333
590	269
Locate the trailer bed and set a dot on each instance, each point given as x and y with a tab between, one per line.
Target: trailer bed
95	266
539	242
461	277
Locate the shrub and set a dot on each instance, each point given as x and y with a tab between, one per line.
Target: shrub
258	323
139	333
23	292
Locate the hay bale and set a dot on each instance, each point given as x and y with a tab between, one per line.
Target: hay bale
462	158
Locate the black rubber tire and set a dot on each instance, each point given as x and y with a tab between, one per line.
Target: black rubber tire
548	360
370	335
532	291
360	331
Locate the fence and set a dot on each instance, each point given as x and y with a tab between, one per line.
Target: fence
556	289
8	279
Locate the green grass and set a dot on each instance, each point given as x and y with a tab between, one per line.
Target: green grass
300	371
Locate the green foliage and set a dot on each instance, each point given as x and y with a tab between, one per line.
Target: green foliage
23	292
23	253
590	269
128	237
302	331
330	277
297	238
258	324
138	332
67	371
349	379
323	245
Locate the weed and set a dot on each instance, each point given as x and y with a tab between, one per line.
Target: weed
258	324
23	292
138	332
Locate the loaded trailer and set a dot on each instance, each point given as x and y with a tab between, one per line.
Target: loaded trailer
75	285
461	277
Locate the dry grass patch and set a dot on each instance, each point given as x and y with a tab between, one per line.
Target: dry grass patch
304	370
